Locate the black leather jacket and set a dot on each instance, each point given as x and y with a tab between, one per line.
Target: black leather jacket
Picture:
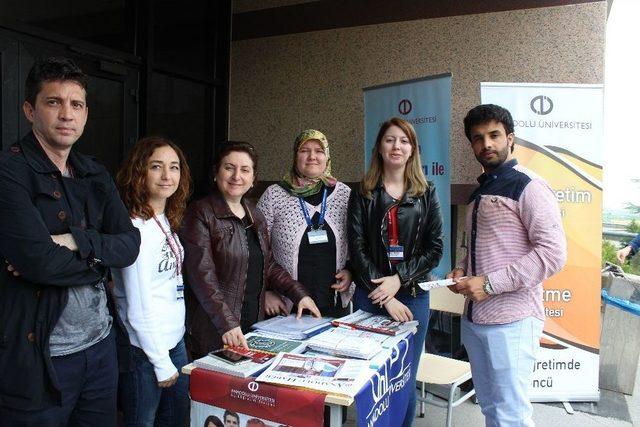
419	229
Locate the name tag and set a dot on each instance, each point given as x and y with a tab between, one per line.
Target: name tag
396	253
317	236
180	291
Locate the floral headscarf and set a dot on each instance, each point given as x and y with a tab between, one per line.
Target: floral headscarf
299	185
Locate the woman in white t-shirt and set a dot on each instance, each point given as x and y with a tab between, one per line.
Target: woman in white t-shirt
154	184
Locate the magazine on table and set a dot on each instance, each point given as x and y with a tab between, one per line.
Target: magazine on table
378	323
321	373
262	350
347	342
291	328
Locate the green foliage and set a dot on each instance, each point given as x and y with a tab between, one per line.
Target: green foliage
631	264
608	253
633	227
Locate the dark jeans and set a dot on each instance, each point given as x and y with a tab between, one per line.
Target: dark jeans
146	404
88	382
419	307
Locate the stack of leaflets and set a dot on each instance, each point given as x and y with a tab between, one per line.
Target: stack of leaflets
244	363
377	323
289	327
347	342
321	373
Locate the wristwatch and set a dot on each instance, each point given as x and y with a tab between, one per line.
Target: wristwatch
486	287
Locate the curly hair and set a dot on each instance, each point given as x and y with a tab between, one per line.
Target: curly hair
131	182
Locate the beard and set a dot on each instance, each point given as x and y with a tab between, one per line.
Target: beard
500	156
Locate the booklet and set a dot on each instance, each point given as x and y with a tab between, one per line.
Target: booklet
229	356
321	373
263	348
289	327
262	351
347	342
378	323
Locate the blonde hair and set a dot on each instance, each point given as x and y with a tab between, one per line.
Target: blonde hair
414	179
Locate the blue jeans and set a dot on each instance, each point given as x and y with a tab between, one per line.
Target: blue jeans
146	404
502	358
419	307
88	382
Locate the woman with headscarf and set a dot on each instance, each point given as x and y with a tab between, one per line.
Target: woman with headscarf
306	216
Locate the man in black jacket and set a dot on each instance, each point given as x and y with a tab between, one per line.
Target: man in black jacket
62	225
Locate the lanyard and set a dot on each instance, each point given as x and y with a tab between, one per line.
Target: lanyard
392	218
175	248
323	209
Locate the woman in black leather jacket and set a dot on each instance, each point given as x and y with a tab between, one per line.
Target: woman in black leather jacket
395	235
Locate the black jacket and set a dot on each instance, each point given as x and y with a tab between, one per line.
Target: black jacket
35	204
419	229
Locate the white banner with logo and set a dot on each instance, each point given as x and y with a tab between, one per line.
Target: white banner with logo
558	130
426	103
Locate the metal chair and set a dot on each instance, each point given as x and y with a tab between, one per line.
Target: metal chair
440	370
434	369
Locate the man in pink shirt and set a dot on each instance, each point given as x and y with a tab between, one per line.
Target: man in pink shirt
516	242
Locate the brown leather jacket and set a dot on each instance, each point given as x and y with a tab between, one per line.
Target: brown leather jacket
216	263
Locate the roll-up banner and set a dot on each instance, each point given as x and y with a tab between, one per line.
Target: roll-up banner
558	130
426	104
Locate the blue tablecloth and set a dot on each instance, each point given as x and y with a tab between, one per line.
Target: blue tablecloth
383	400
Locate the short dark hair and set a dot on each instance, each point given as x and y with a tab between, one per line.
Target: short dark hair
230	414
213	420
227	147
52	69
485	113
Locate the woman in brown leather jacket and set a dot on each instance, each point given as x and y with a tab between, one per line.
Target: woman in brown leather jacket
228	260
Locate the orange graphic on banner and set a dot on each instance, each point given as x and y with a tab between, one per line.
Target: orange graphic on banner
573	295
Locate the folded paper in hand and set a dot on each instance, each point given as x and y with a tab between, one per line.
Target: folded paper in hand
425	286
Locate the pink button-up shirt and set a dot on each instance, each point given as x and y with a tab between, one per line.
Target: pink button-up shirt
515	237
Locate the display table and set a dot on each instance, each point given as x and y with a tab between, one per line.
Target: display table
382	401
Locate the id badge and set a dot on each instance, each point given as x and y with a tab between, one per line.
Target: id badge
317	236
180	291
396	253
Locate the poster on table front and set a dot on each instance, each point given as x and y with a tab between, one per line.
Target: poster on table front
426	104
203	415
558	129
244	402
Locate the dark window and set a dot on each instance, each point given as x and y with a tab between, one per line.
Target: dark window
177	109
108	23
184	35
103	135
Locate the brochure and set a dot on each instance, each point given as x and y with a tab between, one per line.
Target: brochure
321	373
262	351
242	370
347	342
289	327
375	323
438	283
